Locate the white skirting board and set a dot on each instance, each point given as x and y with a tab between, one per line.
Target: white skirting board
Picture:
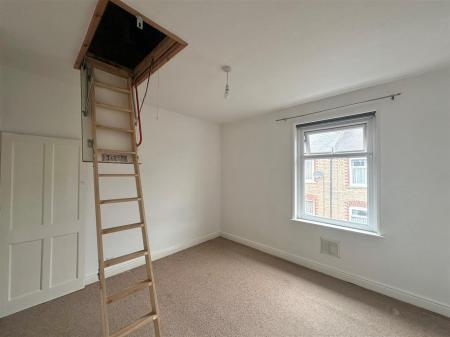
120	268
378	287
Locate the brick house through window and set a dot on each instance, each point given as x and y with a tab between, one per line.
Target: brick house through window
345	194
334	166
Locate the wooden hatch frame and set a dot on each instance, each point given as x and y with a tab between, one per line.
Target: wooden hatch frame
160	55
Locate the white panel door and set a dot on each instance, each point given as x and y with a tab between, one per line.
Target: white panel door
41	241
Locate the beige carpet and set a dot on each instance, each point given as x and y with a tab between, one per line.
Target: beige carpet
221	288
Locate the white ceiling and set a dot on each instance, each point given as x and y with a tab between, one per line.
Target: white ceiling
281	52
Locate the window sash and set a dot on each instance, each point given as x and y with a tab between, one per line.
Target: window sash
324	129
299	197
337	155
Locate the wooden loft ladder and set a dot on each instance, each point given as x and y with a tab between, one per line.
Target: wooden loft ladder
123	43
149	283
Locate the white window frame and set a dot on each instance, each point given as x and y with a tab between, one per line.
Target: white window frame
350	168
312	180
354	208
368	122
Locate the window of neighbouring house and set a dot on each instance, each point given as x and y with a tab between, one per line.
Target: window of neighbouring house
309	171
310	207
358	172
357	215
338	156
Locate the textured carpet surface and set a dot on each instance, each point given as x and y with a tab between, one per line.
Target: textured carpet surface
221	288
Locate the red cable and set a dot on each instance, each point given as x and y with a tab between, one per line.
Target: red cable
139	116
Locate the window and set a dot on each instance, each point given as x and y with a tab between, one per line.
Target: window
358	172
309	171
310	207
338	156
357	215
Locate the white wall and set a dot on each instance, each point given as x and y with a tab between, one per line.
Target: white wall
182	181
411	261
180	168
1	93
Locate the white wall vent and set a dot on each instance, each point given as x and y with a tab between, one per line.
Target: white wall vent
329	247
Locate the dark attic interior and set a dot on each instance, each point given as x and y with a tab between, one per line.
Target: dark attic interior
123	38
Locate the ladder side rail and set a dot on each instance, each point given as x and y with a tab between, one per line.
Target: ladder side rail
98	220
148	259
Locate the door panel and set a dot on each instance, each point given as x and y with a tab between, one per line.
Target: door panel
64	253
65	198
41	239
26	267
27	183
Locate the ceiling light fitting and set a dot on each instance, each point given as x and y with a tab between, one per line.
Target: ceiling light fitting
227	70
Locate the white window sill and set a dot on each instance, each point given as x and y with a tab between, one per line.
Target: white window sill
347	229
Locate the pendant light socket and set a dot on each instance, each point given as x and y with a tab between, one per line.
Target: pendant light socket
227	70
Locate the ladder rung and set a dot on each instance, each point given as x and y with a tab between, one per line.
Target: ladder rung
116	151
135	325
122	228
113	128
124	258
118	162
114	201
128	291
117	175
111	87
112	107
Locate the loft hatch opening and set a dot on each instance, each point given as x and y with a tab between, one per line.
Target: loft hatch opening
121	49
118	39
123	38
